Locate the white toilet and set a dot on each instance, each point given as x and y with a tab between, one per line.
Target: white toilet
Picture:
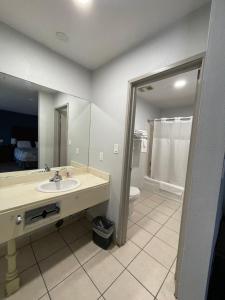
134	196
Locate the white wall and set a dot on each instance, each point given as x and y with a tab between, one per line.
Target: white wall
24	58
110	84
185	111
45	129
202	213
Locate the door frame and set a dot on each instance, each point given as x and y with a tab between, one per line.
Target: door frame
57	132
191	63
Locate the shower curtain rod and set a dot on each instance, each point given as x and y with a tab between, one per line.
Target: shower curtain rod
170	119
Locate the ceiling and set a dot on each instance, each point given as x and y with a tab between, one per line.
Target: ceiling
18	95
97	33
164	95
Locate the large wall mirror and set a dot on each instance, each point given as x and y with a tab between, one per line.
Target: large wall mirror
40	127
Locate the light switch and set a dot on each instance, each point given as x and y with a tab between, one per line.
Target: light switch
69	142
77	150
101	156
116	148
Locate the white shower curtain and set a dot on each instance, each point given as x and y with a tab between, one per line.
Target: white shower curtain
171	140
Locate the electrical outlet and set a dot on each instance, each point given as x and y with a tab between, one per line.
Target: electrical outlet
77	150
116	148
101	156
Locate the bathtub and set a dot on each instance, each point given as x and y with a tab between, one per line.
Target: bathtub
172	191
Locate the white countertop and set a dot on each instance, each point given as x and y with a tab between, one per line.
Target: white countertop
13	196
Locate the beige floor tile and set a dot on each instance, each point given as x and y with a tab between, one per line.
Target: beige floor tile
42	232
158	217
142	209
86	223
161	251
165	210
103	269
177	215
148	271
58	266
168	236
148	202
25	259
45	297
145	194
149	225
84	248
32	286
129	223
127	287
173	224
77	286
172	204
48	245
126	253
173	269
73	231
168	289
157	199
22	241
136	216
138	235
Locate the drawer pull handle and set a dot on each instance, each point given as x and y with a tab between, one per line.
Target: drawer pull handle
19	220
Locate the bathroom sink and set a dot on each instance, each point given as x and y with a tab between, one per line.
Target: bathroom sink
60	186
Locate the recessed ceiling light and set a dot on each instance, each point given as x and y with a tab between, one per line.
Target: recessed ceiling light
62	36
85	2
180	83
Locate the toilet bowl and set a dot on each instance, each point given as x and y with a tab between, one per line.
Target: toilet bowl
134	196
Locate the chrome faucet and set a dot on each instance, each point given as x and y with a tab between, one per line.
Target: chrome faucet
56	178
47	169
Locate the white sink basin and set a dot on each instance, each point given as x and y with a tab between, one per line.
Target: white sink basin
60	186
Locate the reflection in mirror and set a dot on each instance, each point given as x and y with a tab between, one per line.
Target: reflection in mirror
41	127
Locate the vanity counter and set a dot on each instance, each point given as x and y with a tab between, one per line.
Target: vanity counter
26	194
23	208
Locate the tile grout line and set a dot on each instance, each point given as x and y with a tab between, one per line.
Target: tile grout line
83	269
166	277
142	250
41	274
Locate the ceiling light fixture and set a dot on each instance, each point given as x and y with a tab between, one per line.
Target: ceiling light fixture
61	36
180	83
83	3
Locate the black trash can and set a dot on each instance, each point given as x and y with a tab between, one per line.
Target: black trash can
102	229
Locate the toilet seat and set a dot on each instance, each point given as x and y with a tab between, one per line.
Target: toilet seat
134	196
134	192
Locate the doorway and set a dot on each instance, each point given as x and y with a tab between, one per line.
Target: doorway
163	153
61	136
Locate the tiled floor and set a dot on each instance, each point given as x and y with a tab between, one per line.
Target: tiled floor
68	265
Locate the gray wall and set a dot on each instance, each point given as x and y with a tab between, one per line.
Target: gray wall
185	111
202	207
144	112
110	84
24	58
78	126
